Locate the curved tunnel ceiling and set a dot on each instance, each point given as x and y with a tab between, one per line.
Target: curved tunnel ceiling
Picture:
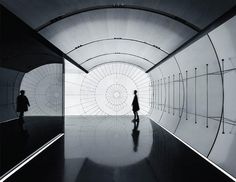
137	32
36	13
143	26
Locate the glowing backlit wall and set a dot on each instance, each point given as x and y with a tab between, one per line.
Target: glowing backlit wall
106	90
197	101
43	87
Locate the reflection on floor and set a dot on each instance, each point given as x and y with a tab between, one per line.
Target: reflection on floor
106	149
111	141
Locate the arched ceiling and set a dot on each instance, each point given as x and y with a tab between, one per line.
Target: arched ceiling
139	32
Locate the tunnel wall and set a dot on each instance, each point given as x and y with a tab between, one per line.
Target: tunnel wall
9	88
195	97
21	51
43	86
223	152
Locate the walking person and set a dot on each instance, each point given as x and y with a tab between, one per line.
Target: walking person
22	104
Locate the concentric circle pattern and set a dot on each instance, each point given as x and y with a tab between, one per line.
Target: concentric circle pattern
107	90
116	95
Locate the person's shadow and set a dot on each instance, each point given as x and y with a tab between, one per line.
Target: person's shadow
135	135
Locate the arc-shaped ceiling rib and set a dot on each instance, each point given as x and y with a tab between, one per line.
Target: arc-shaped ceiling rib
159	12
123	62
117	53
151	36
118	39
143	24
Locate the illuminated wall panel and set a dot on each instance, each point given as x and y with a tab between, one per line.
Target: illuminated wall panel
106	90
43	87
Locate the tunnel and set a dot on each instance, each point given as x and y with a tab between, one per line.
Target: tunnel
70	72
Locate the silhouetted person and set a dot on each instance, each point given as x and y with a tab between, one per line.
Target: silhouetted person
22	104
135	135
135	105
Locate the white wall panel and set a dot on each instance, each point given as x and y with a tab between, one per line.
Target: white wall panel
224	40
204	107
43	87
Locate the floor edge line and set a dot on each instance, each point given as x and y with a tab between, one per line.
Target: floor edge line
29	158
201	155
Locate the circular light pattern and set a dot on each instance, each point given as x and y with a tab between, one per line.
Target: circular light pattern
104	94
43	87
107	90
116	96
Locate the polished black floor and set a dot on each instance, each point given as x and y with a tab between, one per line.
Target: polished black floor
114	149
21	137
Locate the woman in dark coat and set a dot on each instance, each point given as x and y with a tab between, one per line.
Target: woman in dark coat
22	103
135	105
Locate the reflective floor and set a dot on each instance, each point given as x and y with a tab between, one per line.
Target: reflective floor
116	149
110	141
21	137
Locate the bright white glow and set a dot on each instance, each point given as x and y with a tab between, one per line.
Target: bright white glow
29	158
212	163
106	90
116	94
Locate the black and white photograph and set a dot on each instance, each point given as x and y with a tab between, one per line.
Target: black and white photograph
117	90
